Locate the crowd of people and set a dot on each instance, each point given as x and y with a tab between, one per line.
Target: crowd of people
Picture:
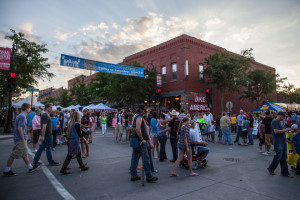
148	131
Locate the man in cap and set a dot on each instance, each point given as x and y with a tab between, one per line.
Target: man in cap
279	139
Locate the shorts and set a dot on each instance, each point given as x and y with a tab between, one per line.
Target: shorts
244	134
183	147
29	130
36	135
119	128
268	139
20	150
86	133
153	135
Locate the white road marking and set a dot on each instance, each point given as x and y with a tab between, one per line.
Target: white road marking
55	183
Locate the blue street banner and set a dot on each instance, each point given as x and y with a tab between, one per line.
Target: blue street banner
82	63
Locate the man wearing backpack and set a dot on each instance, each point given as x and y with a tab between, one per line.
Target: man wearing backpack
173	125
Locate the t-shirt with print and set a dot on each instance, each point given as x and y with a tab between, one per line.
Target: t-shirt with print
20	121
267	122
184	133
46	119
296	141
278	138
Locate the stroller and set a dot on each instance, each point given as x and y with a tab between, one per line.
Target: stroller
197	159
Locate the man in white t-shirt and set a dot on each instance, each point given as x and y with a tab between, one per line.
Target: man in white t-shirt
196	138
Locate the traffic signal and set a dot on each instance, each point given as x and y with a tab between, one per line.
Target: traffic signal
208	94
158	94
11	81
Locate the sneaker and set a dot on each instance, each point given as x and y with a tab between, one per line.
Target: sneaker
9	173
155	171
135	178
153	179
54	163
265	153
34	151
35	167
53	149
38	163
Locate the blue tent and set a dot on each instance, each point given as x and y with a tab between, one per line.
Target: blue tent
268	106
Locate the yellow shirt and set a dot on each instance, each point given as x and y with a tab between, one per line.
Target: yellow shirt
233	120
289	136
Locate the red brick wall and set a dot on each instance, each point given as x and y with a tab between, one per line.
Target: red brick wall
183	48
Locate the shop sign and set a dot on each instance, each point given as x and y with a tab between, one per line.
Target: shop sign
199	107
198	99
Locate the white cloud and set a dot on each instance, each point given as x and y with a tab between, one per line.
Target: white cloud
101	26
115	26
26	28
64	36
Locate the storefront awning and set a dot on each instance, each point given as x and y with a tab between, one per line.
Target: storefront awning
172	94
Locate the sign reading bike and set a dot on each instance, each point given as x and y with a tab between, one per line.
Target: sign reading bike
81	63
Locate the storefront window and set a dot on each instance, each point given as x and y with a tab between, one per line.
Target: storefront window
174	72
201	69
163	74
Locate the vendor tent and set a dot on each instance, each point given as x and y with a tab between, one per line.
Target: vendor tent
88	107
268	106
38	104
102	108
26	100
54	108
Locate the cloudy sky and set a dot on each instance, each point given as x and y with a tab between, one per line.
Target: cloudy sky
108	31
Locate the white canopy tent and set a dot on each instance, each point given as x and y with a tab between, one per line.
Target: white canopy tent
26	100
102	108
38	104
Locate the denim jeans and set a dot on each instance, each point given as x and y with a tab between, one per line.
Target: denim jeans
203	150
151	161
219	131
280	157
250	136
47	143
162	151
136	154
174	142
226	135
239	132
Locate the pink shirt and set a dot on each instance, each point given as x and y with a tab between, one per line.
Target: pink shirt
36	123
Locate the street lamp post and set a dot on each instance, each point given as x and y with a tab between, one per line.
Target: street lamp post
11	69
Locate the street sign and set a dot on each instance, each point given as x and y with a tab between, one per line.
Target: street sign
5	58
31	90
82	63
229	106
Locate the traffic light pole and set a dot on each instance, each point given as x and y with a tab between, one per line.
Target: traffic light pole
8	127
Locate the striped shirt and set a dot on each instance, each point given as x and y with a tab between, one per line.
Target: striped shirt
181	116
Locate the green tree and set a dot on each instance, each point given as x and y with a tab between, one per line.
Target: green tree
227	72
49	100
80	93
129	89
64	99
261	83
27	72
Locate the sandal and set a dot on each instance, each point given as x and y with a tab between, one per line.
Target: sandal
194	174
173	175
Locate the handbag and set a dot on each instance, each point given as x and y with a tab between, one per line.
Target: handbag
292	158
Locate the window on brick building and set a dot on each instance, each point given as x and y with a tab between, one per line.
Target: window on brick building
163	74
174	72
201	70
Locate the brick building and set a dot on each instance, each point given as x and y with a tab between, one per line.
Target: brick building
50	92
85	79
184	55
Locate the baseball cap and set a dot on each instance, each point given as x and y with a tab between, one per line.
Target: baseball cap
295	127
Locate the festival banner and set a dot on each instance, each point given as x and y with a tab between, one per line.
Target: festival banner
82	63
5	58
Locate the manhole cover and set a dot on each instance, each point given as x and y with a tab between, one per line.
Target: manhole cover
232	159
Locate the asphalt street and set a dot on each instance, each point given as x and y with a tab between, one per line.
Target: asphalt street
232	172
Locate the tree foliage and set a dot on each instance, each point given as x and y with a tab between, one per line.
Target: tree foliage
27	72
116	88
261	83
80	93
49	100
64	99
227	72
